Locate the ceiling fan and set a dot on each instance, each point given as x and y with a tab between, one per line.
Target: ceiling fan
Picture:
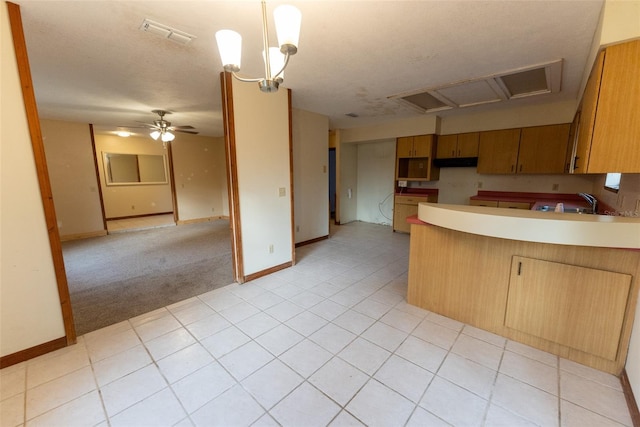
162	128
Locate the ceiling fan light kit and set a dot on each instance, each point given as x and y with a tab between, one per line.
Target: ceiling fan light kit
288	19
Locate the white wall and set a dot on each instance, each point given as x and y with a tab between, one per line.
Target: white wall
376	170
132	200
30	312
348	183
261	123
200	176
310	175
73	178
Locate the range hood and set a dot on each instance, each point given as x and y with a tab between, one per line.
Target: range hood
456	162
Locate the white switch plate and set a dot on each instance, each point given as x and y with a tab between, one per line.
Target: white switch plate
282	191
402	183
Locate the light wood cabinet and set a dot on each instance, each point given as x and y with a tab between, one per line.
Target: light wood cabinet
537	149
578	307
500	204
414	158
415	146
543	149
488	203
498	151
458	145
609	127
405	206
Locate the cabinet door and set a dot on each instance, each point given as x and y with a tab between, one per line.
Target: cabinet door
615	145
582	308
404	146
588	116
571	146
447	146
498	151
422	146
543	149
468	144
400	213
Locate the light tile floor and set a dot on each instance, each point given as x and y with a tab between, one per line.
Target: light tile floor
330	341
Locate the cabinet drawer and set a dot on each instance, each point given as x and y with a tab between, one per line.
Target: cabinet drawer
514	205
489	203
411	200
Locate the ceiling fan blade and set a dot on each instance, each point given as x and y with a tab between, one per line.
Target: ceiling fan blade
183	127
193	132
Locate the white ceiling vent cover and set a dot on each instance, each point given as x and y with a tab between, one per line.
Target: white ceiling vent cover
166	32
519	83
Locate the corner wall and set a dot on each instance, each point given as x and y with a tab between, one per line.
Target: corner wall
200	175
74	183
263	165
132	200
30	312
310	175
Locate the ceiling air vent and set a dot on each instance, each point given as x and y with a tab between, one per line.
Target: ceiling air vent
166	32
523	82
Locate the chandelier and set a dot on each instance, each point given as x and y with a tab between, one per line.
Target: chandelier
287	19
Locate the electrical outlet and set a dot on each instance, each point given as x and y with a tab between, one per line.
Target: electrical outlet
479	184
555	187
133	207
324	169
297	228
282	192
271	248
637	207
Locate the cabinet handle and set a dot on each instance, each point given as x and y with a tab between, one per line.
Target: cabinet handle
458	153
519	268
575	163
520	168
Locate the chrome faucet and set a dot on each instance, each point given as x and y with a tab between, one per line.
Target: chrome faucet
593	202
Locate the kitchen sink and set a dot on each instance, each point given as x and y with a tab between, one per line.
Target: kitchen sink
547	208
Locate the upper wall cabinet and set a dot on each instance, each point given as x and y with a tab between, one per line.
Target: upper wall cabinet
608	134
543	149
458	145
414	158
538	149
498	151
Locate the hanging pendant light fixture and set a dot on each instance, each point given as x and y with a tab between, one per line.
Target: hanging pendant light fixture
287	20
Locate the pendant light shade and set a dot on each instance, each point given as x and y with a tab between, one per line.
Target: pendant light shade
230	47
288	20
155	134
168	136
276	61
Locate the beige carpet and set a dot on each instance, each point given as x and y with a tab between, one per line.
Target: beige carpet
119	276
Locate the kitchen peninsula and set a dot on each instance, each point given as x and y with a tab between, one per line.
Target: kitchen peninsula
565	283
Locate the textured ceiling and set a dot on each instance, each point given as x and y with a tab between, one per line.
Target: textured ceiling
90	62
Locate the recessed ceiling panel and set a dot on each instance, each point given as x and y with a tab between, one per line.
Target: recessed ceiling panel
425	101
470	93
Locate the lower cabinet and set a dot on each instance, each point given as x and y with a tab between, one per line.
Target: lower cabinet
500	204
578	307
405	206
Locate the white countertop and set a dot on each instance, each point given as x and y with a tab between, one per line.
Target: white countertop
534	226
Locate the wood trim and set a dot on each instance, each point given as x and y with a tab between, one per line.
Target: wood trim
291	195
226	85
97	168
137	216
172	183
630	398
266	272
200	220
33	121
30	353
308	242
87	235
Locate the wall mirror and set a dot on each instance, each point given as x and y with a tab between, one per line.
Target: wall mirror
134	169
